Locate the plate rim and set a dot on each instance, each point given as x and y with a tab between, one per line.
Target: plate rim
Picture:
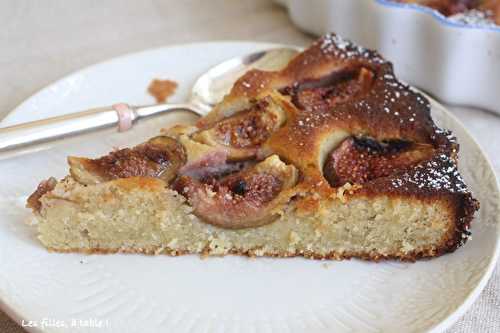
474	294
16	315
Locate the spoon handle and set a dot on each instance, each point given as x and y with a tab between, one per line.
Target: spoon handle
123	115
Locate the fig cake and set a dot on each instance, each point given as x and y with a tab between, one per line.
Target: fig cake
330	157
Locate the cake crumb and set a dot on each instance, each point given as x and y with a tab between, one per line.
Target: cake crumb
162	89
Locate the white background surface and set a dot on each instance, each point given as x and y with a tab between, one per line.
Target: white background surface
43	41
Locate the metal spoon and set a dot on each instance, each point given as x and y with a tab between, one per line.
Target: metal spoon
208	90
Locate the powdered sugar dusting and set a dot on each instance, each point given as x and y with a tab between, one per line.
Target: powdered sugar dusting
393	100
440	173
448	134
345	49
474	17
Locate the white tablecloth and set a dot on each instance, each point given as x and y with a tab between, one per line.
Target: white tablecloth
41	41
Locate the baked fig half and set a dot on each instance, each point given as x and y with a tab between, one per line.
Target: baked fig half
338	87
360	159
244	132
159	157
250	198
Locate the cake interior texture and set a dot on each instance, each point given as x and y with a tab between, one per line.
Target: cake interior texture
141	215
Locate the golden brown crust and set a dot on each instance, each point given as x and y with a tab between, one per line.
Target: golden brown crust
44	187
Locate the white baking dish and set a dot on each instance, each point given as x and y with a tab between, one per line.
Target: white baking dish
457	63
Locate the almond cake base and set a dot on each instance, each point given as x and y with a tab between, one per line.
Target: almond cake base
141	215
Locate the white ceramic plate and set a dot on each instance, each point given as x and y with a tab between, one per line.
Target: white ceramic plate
136	293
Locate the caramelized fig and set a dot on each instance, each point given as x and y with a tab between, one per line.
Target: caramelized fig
358	160
176	156
250	198
242	133
160	157
335	88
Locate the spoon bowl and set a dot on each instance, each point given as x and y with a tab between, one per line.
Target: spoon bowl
211	87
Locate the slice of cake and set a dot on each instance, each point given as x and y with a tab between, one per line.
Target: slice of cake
331	157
